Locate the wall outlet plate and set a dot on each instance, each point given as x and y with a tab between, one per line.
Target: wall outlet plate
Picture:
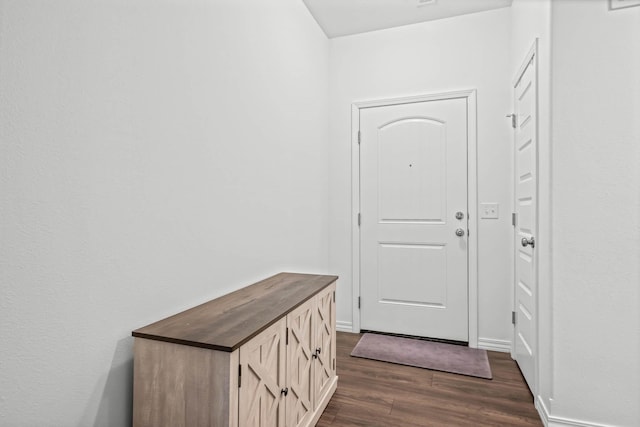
489	211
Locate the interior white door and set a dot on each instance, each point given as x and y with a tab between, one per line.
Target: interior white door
413	235
525	166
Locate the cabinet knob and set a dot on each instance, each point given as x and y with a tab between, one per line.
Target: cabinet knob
284	391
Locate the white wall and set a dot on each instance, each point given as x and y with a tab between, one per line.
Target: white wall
531	20
596	213
470	51
154	154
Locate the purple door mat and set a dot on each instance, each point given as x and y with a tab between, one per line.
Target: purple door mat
424	354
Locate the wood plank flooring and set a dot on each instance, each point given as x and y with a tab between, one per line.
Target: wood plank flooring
379	394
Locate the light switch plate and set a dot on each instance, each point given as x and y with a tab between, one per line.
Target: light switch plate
489	211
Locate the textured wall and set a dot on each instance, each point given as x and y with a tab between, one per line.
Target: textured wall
596	212
153	154
466	52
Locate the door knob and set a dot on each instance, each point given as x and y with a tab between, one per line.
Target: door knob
459	232
526	242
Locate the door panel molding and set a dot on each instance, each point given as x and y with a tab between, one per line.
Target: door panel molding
472	197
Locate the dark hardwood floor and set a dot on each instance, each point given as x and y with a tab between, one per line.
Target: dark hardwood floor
379	394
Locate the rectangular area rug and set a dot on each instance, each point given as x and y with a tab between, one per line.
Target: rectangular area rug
437	356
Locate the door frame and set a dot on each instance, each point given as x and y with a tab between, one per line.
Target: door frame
472	198
532	55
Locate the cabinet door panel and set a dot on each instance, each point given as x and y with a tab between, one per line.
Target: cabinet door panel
300	362
325	341
262	361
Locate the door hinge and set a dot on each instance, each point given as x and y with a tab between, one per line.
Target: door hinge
286	338
513	317
359	219
358	302
514	219
359	137
239	376
514	123
334	364
334	296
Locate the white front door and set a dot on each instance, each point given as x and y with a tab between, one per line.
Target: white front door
414	270
526	179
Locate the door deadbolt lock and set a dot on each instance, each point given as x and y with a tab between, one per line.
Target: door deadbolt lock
531	242
459	232
459	215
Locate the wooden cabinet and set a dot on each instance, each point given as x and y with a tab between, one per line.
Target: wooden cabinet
263	356
288	370
263	378
300	355
325	338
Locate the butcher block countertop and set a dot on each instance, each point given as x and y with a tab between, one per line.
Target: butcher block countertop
227	322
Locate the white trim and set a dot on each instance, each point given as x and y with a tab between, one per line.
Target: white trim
621	4
503	346
551	421
542	410
342	326
472	205
413	98
472	197
355	209
568	422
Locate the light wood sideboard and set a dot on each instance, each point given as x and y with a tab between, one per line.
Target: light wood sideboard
262	356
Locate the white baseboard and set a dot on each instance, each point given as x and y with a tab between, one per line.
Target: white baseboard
551	421
503	346
344	326
542	410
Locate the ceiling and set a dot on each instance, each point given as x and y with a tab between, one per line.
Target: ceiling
344	17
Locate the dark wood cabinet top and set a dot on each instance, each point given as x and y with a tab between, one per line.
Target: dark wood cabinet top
227	322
